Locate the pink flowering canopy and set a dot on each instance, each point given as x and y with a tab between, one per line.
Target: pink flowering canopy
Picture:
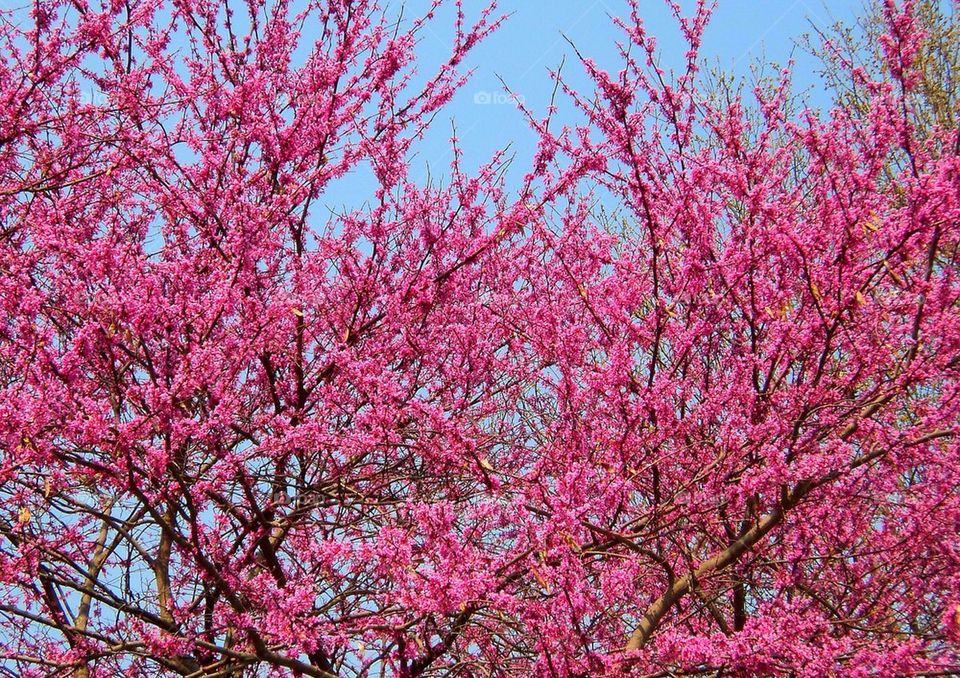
467	428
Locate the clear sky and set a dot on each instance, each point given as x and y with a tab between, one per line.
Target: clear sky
531	41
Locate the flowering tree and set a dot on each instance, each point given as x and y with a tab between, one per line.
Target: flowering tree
464	430
934	64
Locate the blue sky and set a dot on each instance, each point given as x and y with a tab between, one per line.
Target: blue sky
532	41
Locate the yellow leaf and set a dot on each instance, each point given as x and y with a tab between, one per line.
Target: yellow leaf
486	464
893	274
571	542
815	291
24	516
297	312
543	582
